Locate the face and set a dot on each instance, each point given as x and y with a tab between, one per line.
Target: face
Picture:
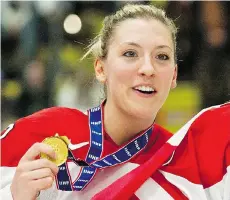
139	69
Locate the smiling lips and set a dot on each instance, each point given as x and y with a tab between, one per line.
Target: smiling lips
144	89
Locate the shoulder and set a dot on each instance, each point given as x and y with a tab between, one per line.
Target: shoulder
54	116
55	113
36	127
212	127
204	148
210	132
46	123
213	117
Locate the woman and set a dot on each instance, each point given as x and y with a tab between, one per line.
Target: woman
135	57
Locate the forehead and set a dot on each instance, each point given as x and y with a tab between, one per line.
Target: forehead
143	31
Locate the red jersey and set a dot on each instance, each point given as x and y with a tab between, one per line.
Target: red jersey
197	164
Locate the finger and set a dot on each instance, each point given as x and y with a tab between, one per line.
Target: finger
42	184
39	174
36	149
39	164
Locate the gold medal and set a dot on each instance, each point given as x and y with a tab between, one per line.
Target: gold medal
60	146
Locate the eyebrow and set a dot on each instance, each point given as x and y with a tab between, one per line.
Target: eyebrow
164	46
132	43
137	45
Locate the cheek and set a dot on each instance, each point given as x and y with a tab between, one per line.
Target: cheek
120	74
166	78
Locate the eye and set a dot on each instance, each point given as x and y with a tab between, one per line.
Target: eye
130	54
162	57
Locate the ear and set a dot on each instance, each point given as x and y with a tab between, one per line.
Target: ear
99	70
174	80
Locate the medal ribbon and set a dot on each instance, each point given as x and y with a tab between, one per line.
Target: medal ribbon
93	157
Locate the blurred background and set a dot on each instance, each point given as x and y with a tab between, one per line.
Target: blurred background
42	43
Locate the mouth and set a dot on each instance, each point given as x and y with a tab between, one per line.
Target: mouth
145	90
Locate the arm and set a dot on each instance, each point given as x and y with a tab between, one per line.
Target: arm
19	158
30	176
35	128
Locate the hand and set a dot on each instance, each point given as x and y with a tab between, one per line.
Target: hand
33	175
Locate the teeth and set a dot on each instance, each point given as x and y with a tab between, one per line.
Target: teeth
145	88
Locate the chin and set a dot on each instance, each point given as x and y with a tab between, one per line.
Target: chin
141	110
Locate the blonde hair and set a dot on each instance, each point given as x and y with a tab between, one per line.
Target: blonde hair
99	46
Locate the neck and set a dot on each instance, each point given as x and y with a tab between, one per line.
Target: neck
120	126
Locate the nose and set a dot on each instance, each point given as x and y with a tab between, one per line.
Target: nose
147	68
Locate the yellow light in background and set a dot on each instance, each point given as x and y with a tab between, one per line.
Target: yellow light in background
181	105
12	89
72	24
